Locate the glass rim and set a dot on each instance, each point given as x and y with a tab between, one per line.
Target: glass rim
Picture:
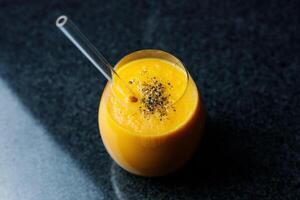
160	54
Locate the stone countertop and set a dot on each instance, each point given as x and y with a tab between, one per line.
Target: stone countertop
244	56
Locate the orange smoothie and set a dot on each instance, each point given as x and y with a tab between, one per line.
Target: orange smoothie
159	130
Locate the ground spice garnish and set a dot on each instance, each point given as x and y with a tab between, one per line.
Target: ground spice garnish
131	81
133	99
155	98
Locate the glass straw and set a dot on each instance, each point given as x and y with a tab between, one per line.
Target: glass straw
95	57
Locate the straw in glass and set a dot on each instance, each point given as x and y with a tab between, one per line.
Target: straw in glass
95	57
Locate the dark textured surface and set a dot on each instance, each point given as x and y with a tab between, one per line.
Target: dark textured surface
244	56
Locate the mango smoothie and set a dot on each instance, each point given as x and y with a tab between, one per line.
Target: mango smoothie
157	130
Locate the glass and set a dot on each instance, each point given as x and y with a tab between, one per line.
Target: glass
170	143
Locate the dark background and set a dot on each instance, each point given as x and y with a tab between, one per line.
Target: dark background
243	55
